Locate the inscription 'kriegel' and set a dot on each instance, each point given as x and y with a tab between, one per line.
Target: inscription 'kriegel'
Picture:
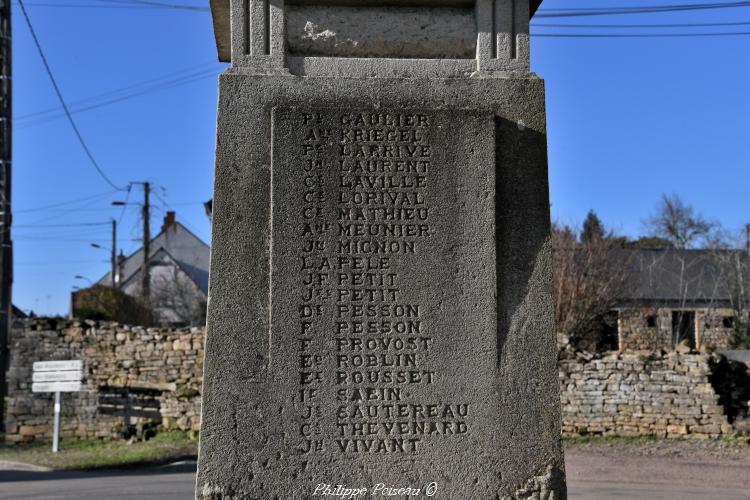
364	179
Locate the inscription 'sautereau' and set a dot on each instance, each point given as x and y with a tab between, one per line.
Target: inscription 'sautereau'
361	221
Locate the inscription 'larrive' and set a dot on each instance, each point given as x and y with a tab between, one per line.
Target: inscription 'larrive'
365	344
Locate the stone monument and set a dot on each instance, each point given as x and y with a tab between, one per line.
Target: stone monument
380	315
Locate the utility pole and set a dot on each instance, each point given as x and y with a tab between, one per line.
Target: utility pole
145	271
6	244
114	254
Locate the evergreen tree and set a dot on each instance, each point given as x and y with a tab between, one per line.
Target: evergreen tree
593	229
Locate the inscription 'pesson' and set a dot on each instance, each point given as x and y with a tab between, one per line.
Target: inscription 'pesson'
363	346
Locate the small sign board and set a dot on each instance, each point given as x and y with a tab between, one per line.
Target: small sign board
57	377
62	376
53	366
56	386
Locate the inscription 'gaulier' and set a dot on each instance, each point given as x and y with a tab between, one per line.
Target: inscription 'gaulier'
371	171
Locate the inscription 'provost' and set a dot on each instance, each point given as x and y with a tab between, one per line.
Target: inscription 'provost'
374	169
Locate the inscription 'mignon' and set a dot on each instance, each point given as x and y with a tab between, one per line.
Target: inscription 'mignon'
364	217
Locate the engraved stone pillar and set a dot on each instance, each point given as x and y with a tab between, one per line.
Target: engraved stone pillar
380	307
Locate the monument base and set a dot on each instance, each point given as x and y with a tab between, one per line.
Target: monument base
380	309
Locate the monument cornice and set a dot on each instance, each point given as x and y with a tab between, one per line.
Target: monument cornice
221	14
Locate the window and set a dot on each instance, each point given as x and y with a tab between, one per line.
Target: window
728	321
651	321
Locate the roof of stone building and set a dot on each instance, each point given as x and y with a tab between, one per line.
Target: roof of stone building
188	251
680	276
17	312
161	259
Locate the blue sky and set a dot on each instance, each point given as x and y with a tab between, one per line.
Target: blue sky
628	119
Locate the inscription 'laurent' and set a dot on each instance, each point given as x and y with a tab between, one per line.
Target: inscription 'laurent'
364	179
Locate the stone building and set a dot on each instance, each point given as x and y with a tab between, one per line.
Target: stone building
672	297
178	265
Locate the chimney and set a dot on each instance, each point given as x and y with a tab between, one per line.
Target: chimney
120	269
209	207
168	221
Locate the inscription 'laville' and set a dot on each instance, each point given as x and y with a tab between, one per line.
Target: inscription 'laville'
363	179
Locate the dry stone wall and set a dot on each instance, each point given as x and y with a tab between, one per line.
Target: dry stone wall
631	394
136	376
133	376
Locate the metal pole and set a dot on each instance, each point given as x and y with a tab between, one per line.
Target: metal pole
6	244
114	253
56	429
145	272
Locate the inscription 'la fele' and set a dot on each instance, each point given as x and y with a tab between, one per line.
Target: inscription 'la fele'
352	250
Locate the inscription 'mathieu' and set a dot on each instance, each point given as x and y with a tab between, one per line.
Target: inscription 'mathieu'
362	345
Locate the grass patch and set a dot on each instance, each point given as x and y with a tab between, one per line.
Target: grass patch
96	453
609	440
733	440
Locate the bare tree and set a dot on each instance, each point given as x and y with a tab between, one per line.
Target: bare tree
734	268
678	223
586	282
176	298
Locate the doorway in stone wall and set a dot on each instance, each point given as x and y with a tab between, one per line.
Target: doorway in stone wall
683	328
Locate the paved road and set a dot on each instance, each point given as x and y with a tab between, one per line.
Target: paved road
176	483
584	490
170	483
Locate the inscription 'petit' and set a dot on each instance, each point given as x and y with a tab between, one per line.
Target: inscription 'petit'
364	183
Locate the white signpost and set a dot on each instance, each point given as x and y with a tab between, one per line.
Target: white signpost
57	377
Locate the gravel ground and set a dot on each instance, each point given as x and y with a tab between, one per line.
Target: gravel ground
717	464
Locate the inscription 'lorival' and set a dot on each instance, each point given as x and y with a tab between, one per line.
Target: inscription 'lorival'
364	178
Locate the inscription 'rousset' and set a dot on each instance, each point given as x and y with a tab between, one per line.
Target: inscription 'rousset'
364	178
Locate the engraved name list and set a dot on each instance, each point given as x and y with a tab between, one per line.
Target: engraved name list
357	226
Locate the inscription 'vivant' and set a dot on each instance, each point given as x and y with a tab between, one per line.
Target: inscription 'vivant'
363	343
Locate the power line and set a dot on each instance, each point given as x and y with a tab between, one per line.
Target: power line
58	262
50	238
678	25
63	231
130	4
166	85
611	11
125	204
156	4
64	203
56	226
62	101
82	224
183	204
84	6
71	210
167	205
134	86
637	35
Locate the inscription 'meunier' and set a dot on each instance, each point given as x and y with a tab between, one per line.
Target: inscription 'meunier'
366	217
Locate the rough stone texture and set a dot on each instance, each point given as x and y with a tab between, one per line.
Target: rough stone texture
132	376
644	329
641	395
650	328
396	32
715	327
480	276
